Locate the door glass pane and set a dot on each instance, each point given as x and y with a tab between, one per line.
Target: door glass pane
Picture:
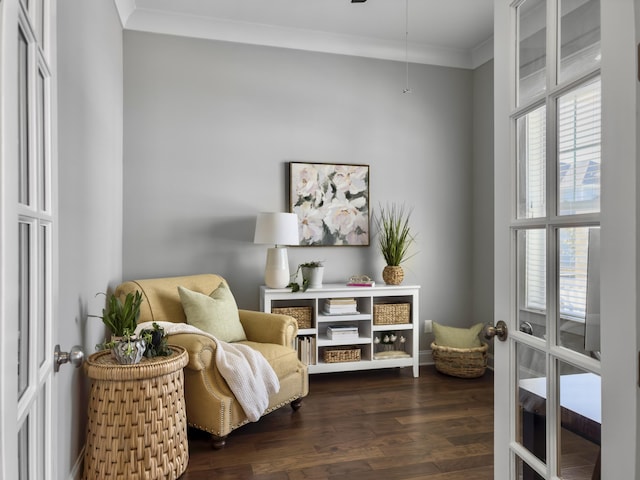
24	256
579	139
23	451
42	426
40	139
532	165
578	259
23	120
40	14
532	274
581	418
532	395
532	45
579	37
42	296
524	472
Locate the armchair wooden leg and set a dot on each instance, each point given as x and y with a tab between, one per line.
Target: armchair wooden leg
296	404
218	442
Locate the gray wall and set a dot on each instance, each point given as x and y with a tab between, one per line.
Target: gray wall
482	207
210	126
90	203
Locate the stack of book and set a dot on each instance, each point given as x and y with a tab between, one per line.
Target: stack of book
306	347
342	332
340	306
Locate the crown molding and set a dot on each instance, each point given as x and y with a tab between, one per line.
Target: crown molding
125	8
155	21
482	53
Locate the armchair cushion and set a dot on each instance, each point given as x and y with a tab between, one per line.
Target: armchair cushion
283	360
216	314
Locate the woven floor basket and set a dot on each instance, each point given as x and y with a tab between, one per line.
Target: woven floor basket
460	362
137	426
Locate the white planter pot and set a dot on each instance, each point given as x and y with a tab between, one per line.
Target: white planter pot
314	275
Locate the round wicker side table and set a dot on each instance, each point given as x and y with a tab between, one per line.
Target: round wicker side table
137	425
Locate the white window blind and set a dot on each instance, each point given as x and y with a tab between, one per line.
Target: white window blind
532	163
578	180
579	141
536	270
573	245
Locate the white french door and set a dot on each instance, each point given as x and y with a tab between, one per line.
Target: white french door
566	242
27	223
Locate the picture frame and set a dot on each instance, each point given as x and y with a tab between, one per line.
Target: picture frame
331	201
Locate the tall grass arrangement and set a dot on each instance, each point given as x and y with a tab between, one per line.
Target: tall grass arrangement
394	233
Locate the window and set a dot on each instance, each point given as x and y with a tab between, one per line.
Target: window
578	192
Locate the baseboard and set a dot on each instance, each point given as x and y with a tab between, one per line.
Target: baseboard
76	471
425	357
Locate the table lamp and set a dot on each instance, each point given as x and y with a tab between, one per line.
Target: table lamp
279	229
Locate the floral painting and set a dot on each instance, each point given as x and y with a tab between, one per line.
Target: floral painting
331	201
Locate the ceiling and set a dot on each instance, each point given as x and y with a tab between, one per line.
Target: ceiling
456	33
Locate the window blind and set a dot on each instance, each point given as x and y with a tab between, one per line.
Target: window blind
579	139
578	180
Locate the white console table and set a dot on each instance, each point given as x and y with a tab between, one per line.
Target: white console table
373	354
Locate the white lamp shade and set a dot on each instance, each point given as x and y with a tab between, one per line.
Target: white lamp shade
277	228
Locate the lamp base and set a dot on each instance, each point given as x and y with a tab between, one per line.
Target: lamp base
276	273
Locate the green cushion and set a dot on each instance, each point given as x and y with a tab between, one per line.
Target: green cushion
216	313
457	337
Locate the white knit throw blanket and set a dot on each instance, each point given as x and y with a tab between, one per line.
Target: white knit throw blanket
246	371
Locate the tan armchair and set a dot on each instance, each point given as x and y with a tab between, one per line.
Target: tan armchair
211	405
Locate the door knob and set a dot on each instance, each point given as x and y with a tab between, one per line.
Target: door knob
75	356
500	330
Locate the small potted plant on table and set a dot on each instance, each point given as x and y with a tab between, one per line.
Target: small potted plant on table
312	273
121	318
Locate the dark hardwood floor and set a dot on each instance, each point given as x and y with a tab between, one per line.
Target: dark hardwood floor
369	425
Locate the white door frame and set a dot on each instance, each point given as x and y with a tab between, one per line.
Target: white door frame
619	242
37	404
8	242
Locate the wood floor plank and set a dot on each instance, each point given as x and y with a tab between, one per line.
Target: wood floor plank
368	425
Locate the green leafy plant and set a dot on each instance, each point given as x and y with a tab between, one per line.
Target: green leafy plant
127	336
314	264
121	317
294	285
155	341
394	233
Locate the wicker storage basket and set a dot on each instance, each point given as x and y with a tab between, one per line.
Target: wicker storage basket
341	354
137	425
391	313
460	362
301	314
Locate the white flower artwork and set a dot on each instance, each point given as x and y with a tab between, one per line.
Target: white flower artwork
331	202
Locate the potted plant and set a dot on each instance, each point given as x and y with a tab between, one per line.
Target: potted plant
312	273
394	240
129	349
155	341
121	317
